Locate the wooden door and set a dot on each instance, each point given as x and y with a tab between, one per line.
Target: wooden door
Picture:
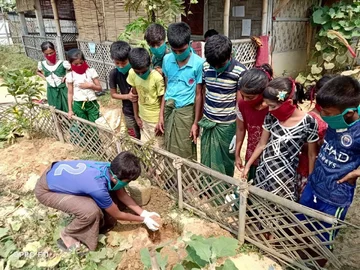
196	17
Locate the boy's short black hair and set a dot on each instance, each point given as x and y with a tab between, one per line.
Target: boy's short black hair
255	80
139	58
271	92
341	92
155	33
218	49
126	166
323	80
179	34
75	54
210	33
119	50
47	45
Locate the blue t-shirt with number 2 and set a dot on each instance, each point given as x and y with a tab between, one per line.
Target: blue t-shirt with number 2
81	177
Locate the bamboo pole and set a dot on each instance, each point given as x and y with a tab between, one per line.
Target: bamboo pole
24	29
243	194
56	17
264	18
292	205
226	17
177	166
57	125
39	18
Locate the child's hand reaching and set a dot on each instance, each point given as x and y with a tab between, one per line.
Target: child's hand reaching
159	129
139	122
245	171
132	97
70	114
238	164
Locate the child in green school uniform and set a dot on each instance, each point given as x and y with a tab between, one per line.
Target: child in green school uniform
83	82
54	71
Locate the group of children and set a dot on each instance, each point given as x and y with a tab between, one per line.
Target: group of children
310	157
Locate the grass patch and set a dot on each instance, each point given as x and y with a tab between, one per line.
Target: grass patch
12	58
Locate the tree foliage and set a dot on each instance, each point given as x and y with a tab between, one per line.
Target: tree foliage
156	11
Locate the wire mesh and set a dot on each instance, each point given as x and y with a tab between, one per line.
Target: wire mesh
293	234
245	51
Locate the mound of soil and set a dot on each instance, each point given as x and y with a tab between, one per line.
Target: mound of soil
27	160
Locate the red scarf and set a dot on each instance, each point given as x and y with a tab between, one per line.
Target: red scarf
80	69
255	102
51	58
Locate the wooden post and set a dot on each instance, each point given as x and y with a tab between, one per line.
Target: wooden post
226	17
118	146
243	195
177	165
56	17
39	18
24	29
60	47
57	124
264	18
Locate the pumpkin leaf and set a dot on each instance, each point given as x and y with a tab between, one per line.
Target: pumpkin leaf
224	247
46	263
320	17
145	258
228	265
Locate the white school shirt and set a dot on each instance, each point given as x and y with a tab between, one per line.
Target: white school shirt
76	79
53	80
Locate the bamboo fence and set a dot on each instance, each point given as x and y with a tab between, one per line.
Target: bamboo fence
253	215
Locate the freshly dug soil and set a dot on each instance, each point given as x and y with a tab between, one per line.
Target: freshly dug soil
159	202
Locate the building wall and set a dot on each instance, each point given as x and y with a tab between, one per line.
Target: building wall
96	25
253	11
289	37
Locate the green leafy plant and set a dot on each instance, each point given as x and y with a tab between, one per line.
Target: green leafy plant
157	11
24	88
338	26
201	253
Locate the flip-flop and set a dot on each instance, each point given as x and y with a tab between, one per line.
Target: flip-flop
61	245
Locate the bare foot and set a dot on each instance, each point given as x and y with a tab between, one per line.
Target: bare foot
68	240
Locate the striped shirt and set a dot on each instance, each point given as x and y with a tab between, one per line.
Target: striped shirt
220	93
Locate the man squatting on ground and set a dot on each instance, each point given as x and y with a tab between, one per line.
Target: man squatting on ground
94	193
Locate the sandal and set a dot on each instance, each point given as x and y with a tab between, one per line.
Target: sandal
61	245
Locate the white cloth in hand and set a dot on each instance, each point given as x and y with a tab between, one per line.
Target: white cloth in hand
232	145
151	224
145	213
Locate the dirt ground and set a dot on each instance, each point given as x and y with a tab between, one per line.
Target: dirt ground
23	163
347	242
